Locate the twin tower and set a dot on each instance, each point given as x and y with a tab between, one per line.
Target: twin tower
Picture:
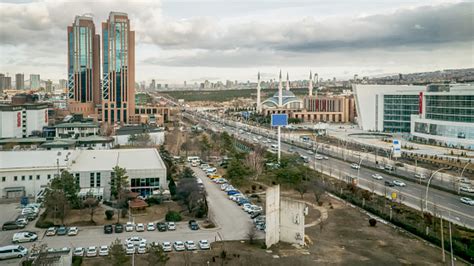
110	99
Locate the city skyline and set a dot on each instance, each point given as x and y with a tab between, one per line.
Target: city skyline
217	41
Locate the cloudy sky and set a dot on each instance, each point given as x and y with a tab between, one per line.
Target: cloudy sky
233	39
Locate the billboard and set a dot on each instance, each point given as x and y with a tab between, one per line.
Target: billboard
279	120
396	148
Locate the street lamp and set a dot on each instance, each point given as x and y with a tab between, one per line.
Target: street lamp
460	177
428	185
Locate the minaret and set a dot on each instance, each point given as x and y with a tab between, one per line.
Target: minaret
280	92
259	104
287	82
310	86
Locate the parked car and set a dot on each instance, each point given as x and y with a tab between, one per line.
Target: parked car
118	228
108	229
388	184
12	225
377	176
72	231
62	230
91	251
51	231
24	237
135	240
399	183
140	227
129	227
467	201
150	227
141	248
420	176
103	251
246	206
129	249
161	226
190	245
166	246
179	246
466	189
193	225
355	166
78	252
171	226
255	215
233	192
255	208
21	221
204	244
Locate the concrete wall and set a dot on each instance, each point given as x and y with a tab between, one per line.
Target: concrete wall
291	221
272	215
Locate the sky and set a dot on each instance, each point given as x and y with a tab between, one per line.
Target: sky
234	39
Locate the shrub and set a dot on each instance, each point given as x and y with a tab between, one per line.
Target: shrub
372	222
109	214
153	201
173	216
76	261
43	223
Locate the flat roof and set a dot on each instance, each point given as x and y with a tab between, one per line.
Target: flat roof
33	159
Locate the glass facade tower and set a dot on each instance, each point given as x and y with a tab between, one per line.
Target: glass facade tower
398	109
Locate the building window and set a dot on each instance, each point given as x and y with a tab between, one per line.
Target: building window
49	177
38	177
22	178
77	179
15	178
3	179
91	180
31	177
97	179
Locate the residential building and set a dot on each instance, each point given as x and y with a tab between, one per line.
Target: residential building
48	86
2	82
21	121
35	81
7	83
20	81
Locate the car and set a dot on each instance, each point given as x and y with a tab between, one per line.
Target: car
190	245
166	246
108	229
61	231
129	227
129	249
21	221
193	225
204	166
12	225
420	176
242	201
150	227
318	157
255	215
388	184
261	226
171	226
140	227
259	220
135	240
51	231
161	226
229	188
118	228
179	246
254	209
204	244
466	189
467	201
72	231
377	176
141	248
325	158
399	183
246	206
78	252
91	251
311	152
233	192
224	186
24	237
103	251
355	166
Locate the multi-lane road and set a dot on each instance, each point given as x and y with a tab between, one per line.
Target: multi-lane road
413	194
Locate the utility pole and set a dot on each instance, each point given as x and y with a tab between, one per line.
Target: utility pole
442	240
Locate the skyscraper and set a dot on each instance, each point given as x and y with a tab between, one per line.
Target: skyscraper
35	81
20	81
118	82
8	83
2	82
83	66
48	86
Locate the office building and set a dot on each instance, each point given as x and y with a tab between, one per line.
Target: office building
35	81
27	173
7	83
2	82
48	86
63	84
118	81
20	81
83	66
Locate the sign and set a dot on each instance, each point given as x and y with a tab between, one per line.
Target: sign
394	195
279	120
420	103
396	148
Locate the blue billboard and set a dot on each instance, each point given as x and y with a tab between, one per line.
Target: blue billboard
279	120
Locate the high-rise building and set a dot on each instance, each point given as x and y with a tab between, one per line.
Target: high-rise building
83	66
2	82
152	85
48	86
118	82
62	84
8	83
35	81
20	81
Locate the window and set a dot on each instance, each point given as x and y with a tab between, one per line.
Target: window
3	178
30	177
91	180
97	179
77	179
38	177
49	177
112	179
22	178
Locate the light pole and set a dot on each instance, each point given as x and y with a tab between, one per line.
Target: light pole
428	186
460	177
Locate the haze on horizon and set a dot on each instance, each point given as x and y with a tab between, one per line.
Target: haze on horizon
219	40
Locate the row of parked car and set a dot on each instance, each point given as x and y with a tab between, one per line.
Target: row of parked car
62	231
28	213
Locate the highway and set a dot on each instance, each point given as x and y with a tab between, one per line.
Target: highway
413	194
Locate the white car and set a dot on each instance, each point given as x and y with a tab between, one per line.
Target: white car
399	183
72	231
51	231
420	176
179	246
311	153
129	227
377	176
204	244
141	248
246	207
467	201
171	226
135	240
150	227
254	209
190	245
79	252
103	251
166	246
466	189
140	227
24	237
91	251
204	166
224	186
130	249
355	166
229	188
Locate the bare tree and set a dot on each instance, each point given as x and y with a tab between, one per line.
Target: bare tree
255	161
302	188
317	187
91	203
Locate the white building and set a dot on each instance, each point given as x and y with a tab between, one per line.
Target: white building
27	172
21	121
